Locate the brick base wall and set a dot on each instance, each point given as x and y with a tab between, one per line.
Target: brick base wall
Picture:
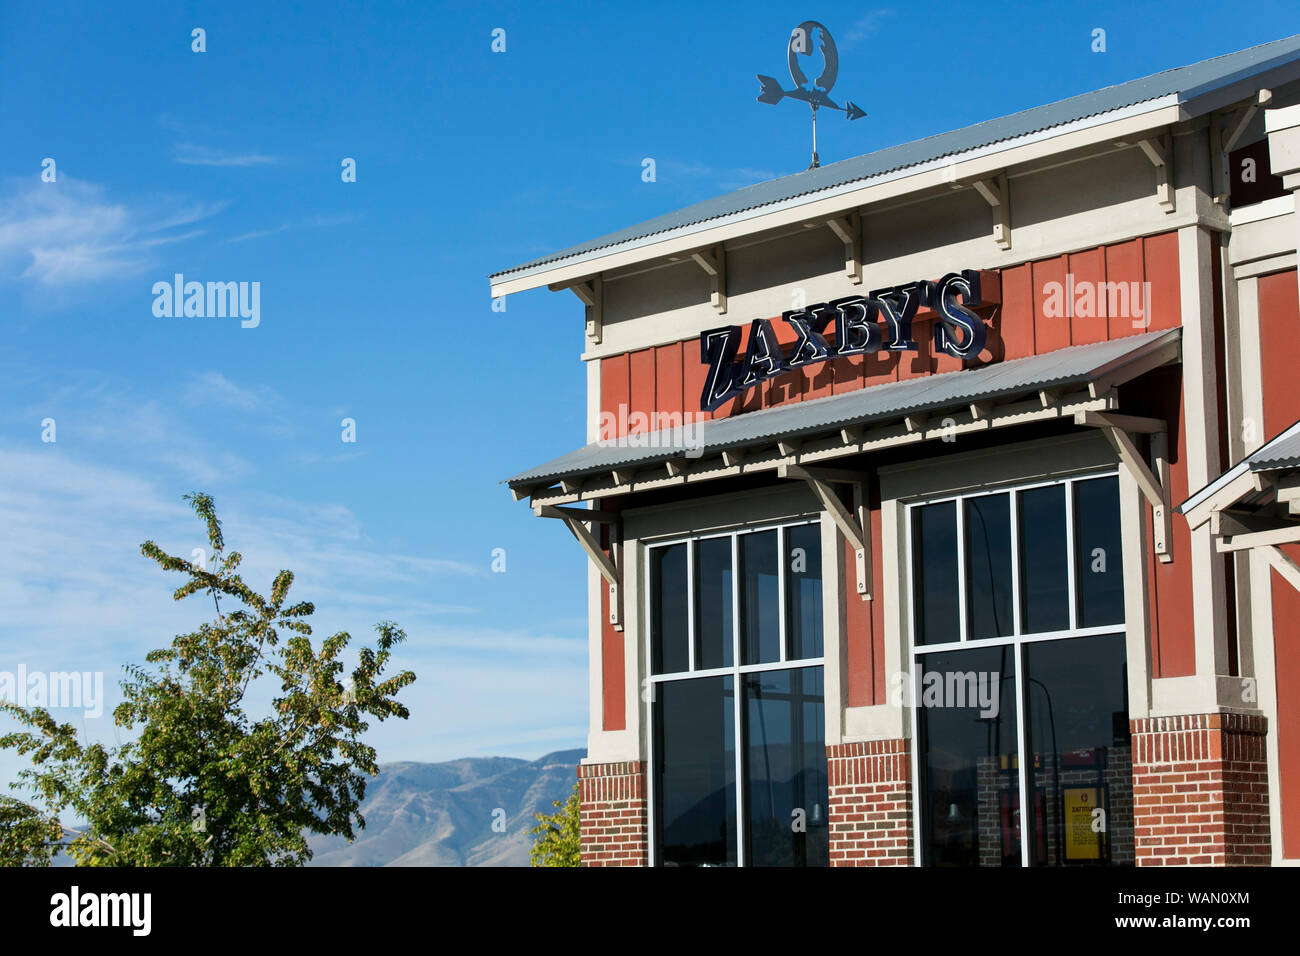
1200	790
612	813
870	811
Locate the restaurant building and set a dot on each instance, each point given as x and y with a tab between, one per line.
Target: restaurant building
943	504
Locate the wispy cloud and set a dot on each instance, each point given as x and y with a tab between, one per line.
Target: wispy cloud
192	154
69	232
867	26
717	177
315	222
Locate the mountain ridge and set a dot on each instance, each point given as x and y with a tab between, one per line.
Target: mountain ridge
471	811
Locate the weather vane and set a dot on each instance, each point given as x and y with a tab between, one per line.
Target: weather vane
816	92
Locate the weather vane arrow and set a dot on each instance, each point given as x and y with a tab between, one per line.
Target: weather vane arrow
816	93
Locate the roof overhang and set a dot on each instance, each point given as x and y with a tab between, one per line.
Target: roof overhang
1262	478
1071	383
938	173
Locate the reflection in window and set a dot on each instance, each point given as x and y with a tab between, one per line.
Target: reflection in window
934	558
785	768
1098	565
668	610
1044	569
695	772
1079	735
713	631
760	614
803	567
988	566
966	710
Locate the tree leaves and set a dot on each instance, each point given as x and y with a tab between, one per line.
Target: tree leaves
259	784
556	840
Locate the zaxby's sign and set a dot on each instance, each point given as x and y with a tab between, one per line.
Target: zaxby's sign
862	324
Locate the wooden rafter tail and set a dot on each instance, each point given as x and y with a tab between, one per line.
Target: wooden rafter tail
575	520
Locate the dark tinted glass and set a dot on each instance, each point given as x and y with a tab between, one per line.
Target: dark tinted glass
760	609
668	609
1099	567
988	566
1044	598
713	630
695	772
785	768
1079	736
966	714
934	563
803	604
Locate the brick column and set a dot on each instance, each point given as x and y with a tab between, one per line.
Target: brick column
612	813
1200	790
870	811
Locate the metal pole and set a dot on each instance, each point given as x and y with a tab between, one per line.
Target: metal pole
815	161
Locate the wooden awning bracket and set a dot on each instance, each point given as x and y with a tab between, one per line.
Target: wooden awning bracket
714	263
996	193
1160	151
848	230
853	524
1153	481
575	519
1282	564
591	292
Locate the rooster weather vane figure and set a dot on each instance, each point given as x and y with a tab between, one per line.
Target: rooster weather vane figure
816	93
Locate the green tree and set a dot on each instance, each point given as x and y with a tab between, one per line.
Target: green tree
555	838
204	782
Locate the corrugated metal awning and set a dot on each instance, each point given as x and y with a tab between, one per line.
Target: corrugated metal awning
1282	453
1065	382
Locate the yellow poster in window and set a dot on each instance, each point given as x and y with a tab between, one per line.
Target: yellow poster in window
1085	823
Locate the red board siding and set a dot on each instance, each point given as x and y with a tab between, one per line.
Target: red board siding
641	382
1088	319
1286	654
614	389
1160	261
668	378
1173	648
1015	319
1279	321
1124	264
1051	332
1279	333
613	669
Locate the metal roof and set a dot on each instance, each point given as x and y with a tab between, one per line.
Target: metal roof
1074	366
1184	83
1279	454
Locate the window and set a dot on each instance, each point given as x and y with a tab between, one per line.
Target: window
1020	680
738	763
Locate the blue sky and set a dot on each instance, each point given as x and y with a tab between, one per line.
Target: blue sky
225	166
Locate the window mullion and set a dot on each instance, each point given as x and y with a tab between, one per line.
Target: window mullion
782	581
962	609
737	689
1023	759
1015	563
1072	571
691	571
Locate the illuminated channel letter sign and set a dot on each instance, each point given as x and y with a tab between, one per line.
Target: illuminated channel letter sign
862	324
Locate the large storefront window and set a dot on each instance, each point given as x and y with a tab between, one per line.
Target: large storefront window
1019	651
737	702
